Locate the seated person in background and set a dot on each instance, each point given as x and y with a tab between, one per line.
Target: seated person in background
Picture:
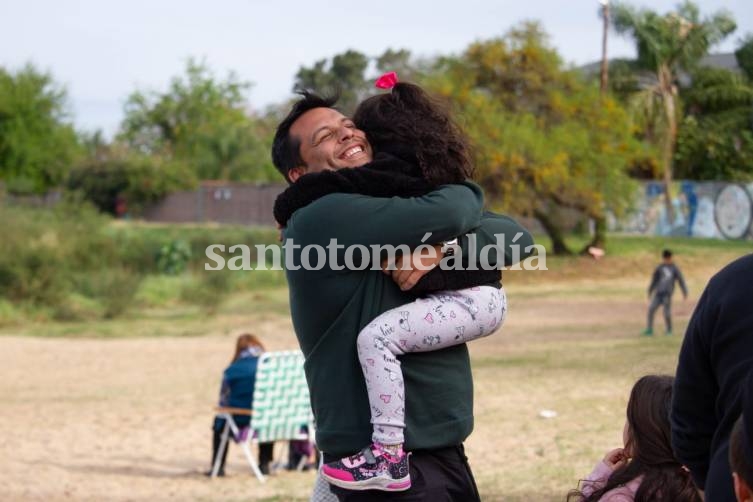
645	468
741	446
237	391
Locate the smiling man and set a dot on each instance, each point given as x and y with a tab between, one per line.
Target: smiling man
329	307
315	137
328	140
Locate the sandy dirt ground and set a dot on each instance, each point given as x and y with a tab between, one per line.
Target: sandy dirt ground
128	419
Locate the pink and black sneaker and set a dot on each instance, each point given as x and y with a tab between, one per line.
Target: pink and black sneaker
371	469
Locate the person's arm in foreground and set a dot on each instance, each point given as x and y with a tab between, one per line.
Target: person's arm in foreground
612	461
693	415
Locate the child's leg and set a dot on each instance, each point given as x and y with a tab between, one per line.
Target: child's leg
432	323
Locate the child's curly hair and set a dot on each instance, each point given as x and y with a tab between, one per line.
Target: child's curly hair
409	122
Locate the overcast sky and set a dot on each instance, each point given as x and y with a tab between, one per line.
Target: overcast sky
102	50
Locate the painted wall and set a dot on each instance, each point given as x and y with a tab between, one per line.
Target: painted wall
702	209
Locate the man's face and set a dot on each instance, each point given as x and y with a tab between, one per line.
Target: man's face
329	141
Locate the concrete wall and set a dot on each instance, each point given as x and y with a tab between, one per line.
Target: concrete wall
234	203
702	209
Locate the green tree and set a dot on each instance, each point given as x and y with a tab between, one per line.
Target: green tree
203	122
403	63
114	174
744	56
716	138
544	139
343	74
37	142
667	44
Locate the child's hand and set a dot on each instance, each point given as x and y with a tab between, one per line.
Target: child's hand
615	458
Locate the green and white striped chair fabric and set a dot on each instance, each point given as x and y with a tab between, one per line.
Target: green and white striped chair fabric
281	404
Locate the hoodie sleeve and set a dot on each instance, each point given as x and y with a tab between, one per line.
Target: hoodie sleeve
354	220
224	392
512	241
693	414
598	478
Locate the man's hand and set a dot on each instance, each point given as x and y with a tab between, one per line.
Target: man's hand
411	268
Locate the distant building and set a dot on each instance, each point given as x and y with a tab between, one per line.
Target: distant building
220	202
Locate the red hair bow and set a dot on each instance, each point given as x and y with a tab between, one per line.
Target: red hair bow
387	81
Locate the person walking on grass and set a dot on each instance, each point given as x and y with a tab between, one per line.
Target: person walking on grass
660	291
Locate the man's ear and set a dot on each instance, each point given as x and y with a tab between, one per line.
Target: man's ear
742	490
296	173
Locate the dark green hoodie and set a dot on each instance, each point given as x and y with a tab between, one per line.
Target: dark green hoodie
330	307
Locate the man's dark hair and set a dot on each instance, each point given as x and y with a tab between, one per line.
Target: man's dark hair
666	254
738	459
286	150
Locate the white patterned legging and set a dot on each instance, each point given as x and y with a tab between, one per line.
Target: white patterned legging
435	322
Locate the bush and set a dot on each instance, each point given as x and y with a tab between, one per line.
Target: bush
114	288
120	183
208	290
47	255
72	263
173	257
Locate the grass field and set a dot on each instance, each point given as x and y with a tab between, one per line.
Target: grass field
121	410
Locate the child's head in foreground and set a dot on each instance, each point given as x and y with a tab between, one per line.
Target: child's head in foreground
647	448
741	446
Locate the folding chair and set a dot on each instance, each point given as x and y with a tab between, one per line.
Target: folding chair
281	410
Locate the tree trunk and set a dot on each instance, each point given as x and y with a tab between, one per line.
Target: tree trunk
668	98
559	247
599	239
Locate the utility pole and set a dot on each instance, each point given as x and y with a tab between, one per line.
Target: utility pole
598	224
604	60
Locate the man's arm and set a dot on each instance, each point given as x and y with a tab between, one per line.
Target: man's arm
693	417
356	219
514	241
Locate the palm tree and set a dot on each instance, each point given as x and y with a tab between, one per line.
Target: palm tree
667	44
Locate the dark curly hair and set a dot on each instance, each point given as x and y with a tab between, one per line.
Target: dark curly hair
664	478
408	123
286	149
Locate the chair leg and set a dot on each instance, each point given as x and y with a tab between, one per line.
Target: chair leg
221	450
252	462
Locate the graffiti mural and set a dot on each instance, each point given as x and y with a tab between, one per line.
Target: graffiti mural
701	209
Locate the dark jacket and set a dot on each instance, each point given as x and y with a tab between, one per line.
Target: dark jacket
237	390
716	355
330	307
664	278
392	176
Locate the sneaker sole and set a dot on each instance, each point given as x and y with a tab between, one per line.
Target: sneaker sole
391	485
